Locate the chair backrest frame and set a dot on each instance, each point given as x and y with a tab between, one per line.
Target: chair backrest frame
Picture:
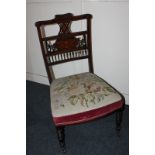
66	46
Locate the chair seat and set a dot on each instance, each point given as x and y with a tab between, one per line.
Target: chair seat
82	97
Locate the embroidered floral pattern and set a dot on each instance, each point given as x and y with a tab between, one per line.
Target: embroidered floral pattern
83	89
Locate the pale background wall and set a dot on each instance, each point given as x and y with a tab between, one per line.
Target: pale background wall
109	36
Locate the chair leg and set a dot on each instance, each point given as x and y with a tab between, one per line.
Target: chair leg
61	137
119	115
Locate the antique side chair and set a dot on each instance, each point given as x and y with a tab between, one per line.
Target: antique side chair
76	98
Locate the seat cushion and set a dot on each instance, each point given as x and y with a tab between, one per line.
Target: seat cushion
82	97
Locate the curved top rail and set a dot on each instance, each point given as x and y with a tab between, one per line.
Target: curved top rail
63	18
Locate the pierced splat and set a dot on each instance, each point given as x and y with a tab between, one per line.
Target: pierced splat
65	40
64	26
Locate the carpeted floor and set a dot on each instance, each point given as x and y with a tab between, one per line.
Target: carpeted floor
93	138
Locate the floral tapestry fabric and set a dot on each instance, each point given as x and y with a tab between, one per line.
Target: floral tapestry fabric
79	93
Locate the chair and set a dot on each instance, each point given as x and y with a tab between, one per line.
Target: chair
76	98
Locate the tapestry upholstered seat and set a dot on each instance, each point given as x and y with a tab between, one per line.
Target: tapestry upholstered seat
76	98
82	97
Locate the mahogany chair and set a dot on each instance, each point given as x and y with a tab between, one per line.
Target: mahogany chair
82	97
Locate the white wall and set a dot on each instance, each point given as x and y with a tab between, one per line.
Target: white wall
109	36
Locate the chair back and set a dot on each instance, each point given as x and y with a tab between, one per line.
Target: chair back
66	45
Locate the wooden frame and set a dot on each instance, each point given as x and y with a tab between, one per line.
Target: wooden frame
71	53
67	47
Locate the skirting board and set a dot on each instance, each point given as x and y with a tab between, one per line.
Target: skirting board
37	78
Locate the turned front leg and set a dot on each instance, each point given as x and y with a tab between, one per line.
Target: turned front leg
119	114
61	137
